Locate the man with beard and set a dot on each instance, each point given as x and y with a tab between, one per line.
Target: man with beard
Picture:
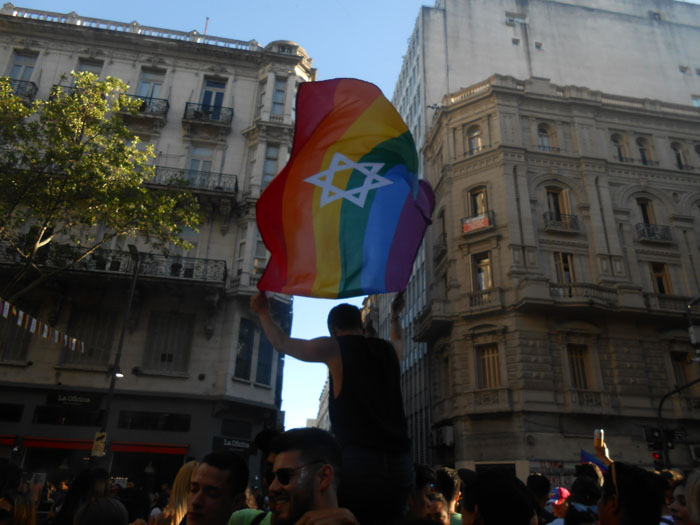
304	488
219	479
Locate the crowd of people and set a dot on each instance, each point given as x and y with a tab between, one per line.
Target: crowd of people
362	473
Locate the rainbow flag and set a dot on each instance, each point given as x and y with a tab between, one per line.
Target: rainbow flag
347	214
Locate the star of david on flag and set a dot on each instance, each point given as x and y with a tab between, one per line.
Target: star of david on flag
347	214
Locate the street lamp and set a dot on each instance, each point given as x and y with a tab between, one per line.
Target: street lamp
115	370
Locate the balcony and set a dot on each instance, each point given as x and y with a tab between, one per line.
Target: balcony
486	401
440	247
548	149
649	162
653	233
478	223
622	158
583	293
152	107
476	150
433	321
24	89
667	303
208	114
484	301
592	401
195	180
560	222
119	262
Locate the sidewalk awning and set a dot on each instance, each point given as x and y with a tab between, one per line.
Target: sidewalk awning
149	448
70	444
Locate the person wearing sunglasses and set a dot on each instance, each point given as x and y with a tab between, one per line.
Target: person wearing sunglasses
365	407
631	496
304	479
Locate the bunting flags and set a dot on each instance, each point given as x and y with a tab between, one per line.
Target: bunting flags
36	326
346	216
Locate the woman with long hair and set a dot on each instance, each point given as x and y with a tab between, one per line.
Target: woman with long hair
176	510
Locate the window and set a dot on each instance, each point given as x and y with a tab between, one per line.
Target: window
237	428
660	278
477	202
565	267
473	136
240	261
270	166
263	374
163	421
644	151
618	144
646	210
680	361
68	416
10	412
696	101
679	155
94	327
200	161
93	66
279	96
489	371
150	84
261	97
577	365
213	98
22	66
244	351
697	153
168	342
559	203
260	259
544	142
482	272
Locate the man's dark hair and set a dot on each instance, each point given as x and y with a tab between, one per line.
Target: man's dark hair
238	470
502	498
345	317
585	490
539	485
590	470
640	493
448	483
313	444
424	476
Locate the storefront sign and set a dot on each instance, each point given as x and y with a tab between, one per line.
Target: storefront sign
225	443
72	399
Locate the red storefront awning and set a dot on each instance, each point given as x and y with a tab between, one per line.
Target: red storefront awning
149	448
71	444
8	440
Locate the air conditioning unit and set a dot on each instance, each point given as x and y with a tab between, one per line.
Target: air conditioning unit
442	436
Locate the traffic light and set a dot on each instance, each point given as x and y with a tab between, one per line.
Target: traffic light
658	462
669	436
653	436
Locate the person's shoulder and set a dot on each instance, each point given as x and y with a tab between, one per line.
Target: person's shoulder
244	516
456	519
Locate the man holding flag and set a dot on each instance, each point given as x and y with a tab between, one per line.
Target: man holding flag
365	406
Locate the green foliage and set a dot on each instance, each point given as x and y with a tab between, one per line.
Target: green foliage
68	165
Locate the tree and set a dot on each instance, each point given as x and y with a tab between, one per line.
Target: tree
70	169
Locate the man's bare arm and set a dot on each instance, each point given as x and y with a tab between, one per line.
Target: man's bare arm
319	350
396	330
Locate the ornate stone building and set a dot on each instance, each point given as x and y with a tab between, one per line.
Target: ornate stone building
563	253
199	374
642	49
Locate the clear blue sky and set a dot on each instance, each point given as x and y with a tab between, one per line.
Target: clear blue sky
361	38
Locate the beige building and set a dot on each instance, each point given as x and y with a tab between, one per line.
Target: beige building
646	49
199	374
563	253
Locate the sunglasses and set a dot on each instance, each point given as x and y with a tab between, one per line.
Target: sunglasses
285	475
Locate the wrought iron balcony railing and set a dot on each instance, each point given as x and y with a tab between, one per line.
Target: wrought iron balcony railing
582	292
549	149
156	107
560	221
202	180
24	88
653	232
208	113
478	222
116	261
649	162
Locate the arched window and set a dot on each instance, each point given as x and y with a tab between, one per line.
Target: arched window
474	139
618	144
679	155
643	148
646	210
544	142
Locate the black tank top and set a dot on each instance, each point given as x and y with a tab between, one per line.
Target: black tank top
369	412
